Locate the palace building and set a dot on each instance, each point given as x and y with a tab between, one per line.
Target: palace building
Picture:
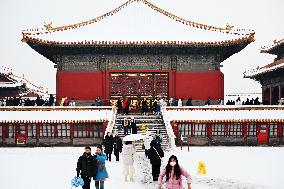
137	61
271	76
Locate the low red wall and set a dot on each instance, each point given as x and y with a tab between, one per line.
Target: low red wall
200	85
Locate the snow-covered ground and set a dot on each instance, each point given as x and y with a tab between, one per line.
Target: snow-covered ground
227	167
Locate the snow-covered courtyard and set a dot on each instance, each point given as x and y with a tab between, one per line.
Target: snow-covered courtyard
227	167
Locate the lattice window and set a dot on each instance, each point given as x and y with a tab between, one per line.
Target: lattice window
218	129
87	131
31	131
63	130
139	84
235	129
273	129
11	128
251	129
200	129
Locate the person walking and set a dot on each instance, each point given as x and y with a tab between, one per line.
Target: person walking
108	143
155	107
174	172
143	128
155	154
133	125
86	167
147	142
119	106
117	145
124	106
102	174
128	153
125	125
144	107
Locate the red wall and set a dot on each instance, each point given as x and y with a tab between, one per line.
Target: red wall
79	85
200	85
90	85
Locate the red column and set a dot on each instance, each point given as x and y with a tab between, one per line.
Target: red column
15	132
209	131
226	130
245	129
37	132
280	130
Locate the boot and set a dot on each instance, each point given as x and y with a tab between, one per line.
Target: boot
125	178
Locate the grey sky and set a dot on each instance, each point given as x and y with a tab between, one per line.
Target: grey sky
261	15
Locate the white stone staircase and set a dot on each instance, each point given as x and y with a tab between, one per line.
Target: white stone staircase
154	123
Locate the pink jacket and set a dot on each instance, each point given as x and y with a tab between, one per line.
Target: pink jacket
173	183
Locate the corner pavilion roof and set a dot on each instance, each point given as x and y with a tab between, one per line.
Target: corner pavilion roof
274	48
278	64
143	24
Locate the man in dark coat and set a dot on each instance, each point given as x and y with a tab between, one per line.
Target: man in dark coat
155	106
133	125
155	154
87	167
144	106
117	146
108	143
119	106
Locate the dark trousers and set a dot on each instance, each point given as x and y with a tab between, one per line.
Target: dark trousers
108	156
87	182
146	152
125	129
116	153
156	171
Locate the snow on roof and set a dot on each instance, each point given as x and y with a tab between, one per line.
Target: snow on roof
134	24
9	85
265	69
226	114
56	116
276	44
16	81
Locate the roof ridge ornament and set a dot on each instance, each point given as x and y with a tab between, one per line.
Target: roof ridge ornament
48	28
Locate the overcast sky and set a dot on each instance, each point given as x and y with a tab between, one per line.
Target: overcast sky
264	16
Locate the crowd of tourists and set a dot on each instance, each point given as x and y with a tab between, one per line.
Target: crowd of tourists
94	166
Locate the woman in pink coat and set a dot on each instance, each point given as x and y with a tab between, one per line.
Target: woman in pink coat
173	173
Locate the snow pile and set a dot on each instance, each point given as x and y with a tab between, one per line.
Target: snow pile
56	116
223	114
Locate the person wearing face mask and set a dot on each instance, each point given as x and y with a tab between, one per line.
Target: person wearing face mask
86	167
173	172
